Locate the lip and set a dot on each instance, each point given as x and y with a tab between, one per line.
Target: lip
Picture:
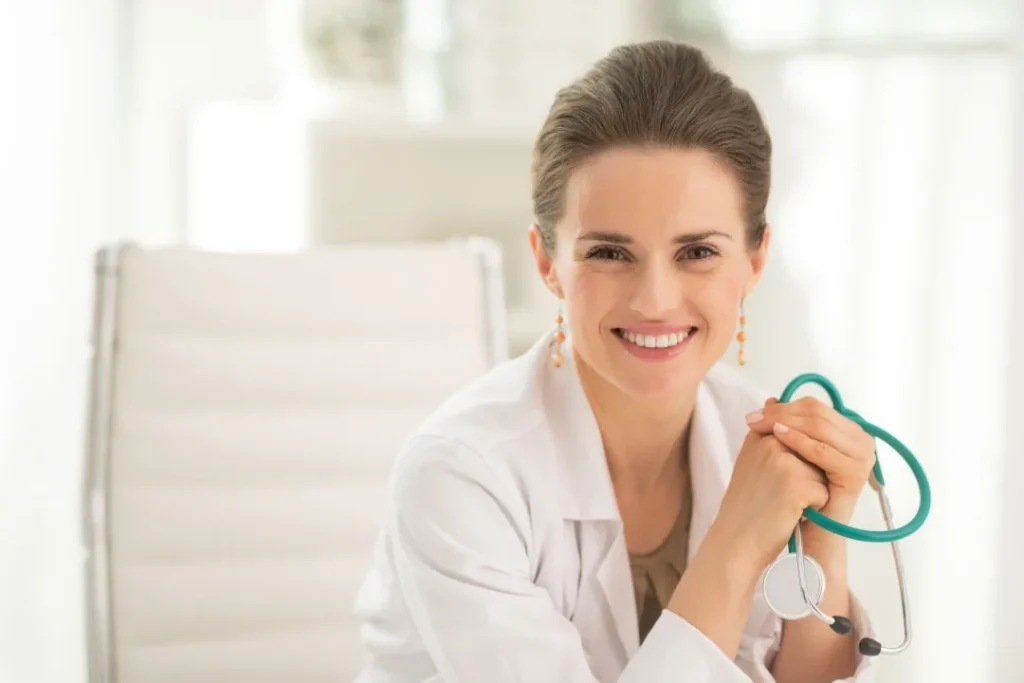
655	355
655	329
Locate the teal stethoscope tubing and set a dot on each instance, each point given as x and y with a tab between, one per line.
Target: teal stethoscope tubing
853	533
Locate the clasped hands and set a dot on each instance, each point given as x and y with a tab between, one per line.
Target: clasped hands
820	435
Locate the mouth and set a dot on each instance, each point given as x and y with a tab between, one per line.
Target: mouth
656	348
656	342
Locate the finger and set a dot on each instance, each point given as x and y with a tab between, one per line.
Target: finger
806	469
843	434
846	444
817	496
858	437
811	407
810	480
813	451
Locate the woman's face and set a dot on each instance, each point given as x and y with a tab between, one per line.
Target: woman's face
652	262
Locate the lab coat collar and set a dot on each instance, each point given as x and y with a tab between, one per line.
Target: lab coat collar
588	495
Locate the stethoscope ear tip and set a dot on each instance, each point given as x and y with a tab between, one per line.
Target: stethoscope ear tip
869	647
841	625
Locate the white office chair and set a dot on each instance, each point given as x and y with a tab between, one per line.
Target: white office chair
245	410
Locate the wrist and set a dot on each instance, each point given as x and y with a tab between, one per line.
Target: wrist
840	508
825	542
738	556
827	548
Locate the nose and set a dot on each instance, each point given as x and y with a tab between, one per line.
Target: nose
657	291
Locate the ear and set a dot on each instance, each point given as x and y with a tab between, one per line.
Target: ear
758	260
545	262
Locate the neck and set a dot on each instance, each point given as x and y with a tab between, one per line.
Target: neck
644	440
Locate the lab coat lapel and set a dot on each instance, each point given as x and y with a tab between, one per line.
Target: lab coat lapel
616	581
710	465
605	615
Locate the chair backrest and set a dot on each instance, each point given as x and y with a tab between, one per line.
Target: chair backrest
244	414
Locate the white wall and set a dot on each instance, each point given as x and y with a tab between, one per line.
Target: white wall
60	162
183	52
1009	616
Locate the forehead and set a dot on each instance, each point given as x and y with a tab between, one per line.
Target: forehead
641	190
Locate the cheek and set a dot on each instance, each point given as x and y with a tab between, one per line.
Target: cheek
718	298
591	296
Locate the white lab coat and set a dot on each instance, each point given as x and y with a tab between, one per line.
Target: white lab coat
502	557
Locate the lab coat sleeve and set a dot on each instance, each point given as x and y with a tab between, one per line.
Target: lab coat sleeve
757	652
459	535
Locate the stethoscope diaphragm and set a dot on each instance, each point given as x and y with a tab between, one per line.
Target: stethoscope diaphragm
780	586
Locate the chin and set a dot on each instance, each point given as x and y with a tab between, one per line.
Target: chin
650	386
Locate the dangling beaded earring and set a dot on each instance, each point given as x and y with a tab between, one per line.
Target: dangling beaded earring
556	341
741	336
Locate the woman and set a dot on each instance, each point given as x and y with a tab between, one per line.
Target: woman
602	508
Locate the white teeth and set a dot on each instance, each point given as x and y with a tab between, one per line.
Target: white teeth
661	341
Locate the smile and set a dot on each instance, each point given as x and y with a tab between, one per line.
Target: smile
656	341
656	348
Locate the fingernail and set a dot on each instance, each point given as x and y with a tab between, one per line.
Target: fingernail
755	416
781	428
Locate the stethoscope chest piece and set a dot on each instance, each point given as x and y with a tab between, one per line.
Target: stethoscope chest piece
780	586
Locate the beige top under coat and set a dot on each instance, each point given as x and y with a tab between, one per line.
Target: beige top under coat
656	573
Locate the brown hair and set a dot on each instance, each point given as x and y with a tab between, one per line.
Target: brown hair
661	94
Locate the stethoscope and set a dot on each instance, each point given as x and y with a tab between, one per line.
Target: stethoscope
794	584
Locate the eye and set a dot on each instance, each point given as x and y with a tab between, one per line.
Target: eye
607	253
699	252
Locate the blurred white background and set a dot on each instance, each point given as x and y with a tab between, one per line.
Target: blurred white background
203	122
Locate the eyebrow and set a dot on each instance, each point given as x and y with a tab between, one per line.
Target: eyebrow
619	238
